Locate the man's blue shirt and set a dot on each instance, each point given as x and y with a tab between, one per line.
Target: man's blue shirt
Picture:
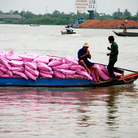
82	52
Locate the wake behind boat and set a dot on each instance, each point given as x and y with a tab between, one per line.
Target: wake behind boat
126	33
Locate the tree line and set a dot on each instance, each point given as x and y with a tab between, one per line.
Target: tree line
61	18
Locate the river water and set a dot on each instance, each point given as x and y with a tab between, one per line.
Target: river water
44	112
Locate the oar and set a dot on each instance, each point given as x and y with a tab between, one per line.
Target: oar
117	67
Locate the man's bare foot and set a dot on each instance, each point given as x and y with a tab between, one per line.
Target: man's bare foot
99	81
88	71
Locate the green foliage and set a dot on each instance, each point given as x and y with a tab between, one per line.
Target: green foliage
127	13
57	18
118	13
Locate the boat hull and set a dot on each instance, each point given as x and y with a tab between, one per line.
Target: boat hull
126	33
57	82
44	82
68	32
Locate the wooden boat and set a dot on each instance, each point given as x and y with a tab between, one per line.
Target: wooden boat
68	32
64	31
126	33
57	82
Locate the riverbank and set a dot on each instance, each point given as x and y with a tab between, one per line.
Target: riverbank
109	24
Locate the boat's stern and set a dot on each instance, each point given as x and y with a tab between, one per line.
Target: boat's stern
129	78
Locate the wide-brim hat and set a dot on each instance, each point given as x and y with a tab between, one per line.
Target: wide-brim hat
86	45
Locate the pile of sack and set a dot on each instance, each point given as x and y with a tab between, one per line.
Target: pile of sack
32	66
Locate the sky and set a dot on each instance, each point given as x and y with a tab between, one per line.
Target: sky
66	6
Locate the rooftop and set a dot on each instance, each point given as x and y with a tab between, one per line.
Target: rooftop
10	16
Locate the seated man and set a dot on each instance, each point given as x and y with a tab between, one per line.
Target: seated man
68	30
83	55
71	30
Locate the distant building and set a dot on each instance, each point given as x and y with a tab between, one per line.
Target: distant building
10	16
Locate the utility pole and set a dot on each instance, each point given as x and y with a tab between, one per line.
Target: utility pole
23	13
46	10
78	14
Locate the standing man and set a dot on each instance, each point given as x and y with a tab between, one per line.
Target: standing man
113	56
83	55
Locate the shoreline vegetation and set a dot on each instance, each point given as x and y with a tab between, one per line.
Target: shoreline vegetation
101	20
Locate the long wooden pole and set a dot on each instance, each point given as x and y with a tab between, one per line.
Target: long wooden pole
102	64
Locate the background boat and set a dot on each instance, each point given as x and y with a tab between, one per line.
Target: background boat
126	33
64	31
34	25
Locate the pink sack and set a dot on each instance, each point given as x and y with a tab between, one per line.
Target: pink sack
102	74
32	55
44	59
58	74
6	76
67	72
1	73
55	62
105	70
16	63
32	71
54	58
1	65
6	54
26	58
14	57
4	62
30	75
63	66
19	69
70	60
93	75
2	54
44	75
32	65
43	66
3	69
46	72
22	75
85	74
117	74
77	67
16	76
75	76
10	73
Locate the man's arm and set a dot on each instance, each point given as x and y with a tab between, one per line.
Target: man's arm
87	54
108	54
113	53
